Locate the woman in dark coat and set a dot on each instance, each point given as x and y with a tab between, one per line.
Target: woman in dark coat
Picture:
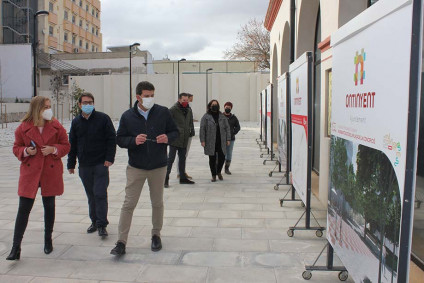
215	136
40	143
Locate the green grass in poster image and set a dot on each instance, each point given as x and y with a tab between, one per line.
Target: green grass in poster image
364	194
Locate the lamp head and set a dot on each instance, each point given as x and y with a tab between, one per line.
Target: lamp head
210	69
182	59
41	12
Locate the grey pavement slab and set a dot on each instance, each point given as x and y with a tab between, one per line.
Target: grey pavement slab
228	231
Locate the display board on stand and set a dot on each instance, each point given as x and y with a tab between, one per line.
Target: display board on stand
376	73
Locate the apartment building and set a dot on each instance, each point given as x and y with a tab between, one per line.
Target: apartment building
72	26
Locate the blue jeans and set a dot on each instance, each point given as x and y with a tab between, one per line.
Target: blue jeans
229	155
96	180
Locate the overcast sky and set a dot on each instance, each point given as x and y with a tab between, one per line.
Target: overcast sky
191	29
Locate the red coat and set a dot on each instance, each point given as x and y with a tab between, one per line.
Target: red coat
38	170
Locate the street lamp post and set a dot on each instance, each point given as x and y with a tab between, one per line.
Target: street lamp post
34	48
207	99
178	64
131	48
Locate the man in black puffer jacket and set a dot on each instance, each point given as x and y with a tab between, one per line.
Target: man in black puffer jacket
145	130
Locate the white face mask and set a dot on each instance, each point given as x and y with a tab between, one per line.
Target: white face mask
148	102
47	114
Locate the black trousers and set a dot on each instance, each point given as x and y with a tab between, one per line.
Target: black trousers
96	180
216	162
181	159
25	206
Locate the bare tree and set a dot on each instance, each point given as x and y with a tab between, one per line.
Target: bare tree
252	44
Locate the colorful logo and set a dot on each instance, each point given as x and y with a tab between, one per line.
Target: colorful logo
297	85
359	60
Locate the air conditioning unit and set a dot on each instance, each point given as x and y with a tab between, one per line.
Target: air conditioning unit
76	50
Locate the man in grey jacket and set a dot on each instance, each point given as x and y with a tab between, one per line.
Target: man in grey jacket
183	118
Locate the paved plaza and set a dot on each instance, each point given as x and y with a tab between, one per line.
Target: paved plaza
229	231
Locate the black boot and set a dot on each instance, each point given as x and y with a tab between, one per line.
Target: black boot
15	253
48	246
227	167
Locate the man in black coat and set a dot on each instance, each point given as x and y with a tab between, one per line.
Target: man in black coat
183	118
93	141
145	130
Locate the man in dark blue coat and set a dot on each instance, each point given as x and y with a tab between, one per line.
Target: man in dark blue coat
93	141
145	130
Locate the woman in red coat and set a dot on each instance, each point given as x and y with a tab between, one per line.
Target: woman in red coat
40	143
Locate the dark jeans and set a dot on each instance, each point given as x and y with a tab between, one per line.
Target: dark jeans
25	206
96	180
215	166
181	159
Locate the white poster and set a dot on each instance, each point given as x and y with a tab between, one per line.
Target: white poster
282	121
268	117
299	124
370	80
16	72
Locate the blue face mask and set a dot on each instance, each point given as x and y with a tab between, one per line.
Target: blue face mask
87	109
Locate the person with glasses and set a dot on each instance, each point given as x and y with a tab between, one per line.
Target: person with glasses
93	141
145	130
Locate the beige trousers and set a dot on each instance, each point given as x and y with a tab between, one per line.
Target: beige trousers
135	182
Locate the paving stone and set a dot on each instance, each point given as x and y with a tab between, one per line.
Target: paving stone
161	273
245	274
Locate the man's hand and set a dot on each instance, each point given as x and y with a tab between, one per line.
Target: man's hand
140	139
47	149
71	171
162	139
228	143
107	163
203	144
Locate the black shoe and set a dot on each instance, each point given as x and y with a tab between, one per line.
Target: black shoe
186	181
119	249
92	228
166	185
102	232
156	243
220	177
48	246
15	253
227	170
213	178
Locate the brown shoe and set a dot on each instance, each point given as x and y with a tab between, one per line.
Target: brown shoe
187	176
213	178
220	177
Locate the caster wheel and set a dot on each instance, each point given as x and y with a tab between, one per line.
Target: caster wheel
307	275
270	174
319	234
343	275
290	233
261	155
302	204
276	187
281	202
264	162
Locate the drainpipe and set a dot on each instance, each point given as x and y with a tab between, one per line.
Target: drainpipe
292	29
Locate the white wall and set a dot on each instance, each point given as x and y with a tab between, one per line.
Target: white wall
111	92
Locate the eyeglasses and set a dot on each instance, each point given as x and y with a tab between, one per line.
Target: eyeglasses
87	102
